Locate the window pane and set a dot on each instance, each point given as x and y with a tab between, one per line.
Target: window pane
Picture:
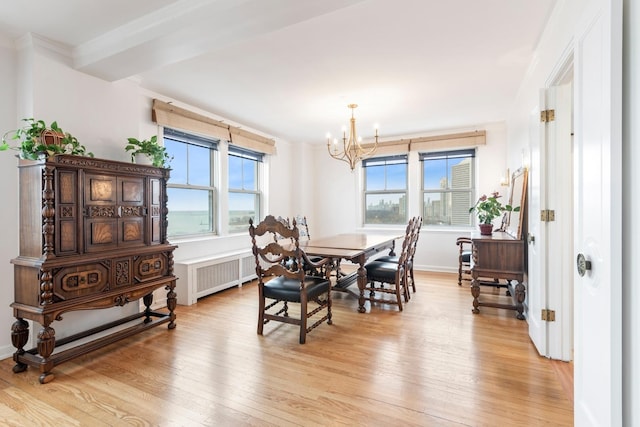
460	204
460	173
435	174
389	208
397	177
242	206
436	209
199	165
235	172
249	168
374	178
179	163
447	208
189	211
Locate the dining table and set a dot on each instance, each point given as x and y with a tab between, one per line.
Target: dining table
353	247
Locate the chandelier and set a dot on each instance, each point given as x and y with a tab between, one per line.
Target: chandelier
351	150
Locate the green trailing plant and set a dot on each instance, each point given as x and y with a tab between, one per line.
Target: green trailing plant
489	208
156	152
36	139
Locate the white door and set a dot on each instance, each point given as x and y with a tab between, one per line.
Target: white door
550	244
598	217
536	234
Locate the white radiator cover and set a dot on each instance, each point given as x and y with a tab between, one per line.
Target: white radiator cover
204	276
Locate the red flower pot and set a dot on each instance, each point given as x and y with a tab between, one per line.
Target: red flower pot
486	229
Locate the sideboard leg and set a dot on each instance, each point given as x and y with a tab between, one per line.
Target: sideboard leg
520	295
172	300
475	291
19	338
46	344
148	300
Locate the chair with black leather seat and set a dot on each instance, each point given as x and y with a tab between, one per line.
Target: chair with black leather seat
464	259
390	273
288	283
416	222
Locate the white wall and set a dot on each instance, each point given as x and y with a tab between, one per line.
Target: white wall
630	209
9	178
338	193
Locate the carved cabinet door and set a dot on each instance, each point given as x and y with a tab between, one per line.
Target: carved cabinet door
114	210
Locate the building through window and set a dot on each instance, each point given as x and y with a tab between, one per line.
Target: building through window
385	190
448	187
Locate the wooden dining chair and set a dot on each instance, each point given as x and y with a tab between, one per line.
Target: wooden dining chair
464	259
414	234
283	282
391	273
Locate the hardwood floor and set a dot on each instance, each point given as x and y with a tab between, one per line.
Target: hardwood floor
435	363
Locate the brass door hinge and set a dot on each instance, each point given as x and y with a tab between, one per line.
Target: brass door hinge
547	215
548	315
547	116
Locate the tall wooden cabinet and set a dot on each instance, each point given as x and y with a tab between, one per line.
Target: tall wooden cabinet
92	235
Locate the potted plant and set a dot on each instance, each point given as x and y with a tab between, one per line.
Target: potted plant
36	140
489	208
155	153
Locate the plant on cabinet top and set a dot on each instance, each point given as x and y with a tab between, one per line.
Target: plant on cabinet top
36	140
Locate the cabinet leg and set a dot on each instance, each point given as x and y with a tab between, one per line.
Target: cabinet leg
19	338
148	300
520	295
171	304
46	344
475	291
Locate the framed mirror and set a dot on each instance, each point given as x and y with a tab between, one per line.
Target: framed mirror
517	198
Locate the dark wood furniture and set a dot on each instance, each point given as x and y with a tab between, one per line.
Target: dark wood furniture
353	247
464	259
414	234
394	273
499	256
92	235
282	279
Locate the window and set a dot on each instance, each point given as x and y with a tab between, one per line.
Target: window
447	184
385	190
244	188
191	188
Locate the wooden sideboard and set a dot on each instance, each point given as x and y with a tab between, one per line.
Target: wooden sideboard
498	256
92	235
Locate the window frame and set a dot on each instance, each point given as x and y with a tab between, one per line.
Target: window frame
385	161
470	153
204	142
258	158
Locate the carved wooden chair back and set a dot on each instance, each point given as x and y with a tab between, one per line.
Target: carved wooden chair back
303	226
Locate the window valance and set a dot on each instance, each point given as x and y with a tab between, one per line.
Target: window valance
169	115
252	141
430	143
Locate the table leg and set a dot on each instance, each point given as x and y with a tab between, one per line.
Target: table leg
393	248
362	283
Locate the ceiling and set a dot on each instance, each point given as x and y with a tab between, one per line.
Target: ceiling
288	68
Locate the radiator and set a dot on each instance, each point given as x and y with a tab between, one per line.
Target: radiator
204	276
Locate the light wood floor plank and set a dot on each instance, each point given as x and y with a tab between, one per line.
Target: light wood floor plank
435	363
